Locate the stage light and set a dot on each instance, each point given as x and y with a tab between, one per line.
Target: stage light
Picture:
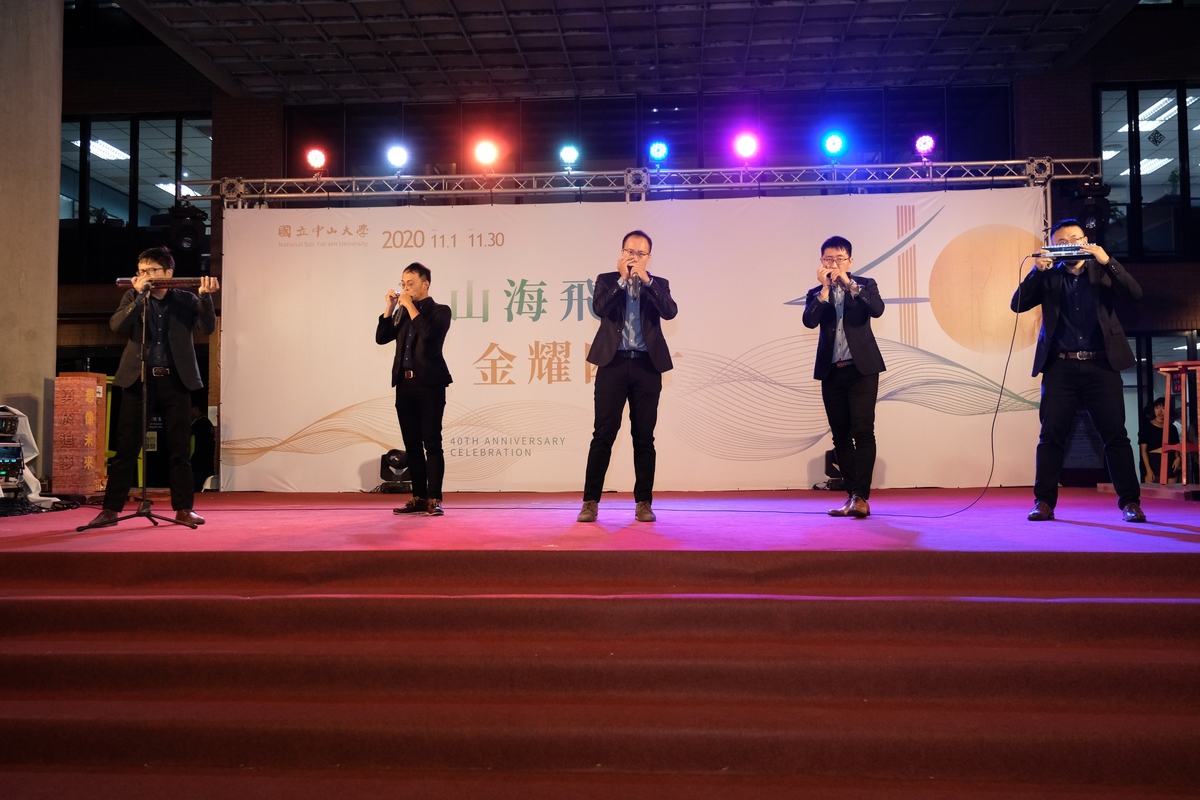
924	145
397	156
746	145
486	153
316	158
569	155
834	144
658	151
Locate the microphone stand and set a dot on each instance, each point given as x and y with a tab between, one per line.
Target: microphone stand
143	509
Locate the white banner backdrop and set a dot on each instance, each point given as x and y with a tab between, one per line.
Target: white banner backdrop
306	401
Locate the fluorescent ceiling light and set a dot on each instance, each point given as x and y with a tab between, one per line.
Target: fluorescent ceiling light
1145	124
1107	154
1149	165
102	149
185	191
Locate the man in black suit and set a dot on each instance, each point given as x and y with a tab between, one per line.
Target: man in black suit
172	374
418	326
848	366
632	355
1080	353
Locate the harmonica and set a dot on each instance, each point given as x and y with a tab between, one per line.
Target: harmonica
163	283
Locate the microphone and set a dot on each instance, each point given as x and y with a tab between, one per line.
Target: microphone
1063	252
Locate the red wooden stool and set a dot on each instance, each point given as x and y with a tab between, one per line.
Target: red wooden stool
1176	373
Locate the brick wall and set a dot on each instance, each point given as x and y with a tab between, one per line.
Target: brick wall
247	137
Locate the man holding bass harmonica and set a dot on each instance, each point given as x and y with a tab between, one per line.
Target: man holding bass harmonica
172	374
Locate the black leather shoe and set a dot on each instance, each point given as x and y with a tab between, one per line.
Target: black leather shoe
844	511
188	517
104	518
1041	512
1132	512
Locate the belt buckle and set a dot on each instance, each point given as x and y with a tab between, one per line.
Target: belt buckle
409	374
160	372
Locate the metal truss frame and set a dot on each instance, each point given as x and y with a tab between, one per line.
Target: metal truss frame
641	184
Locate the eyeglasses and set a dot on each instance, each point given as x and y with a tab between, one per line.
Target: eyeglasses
143	273
1078	240
840	261
634	253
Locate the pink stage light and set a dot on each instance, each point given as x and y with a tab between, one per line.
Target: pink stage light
746	145
925	145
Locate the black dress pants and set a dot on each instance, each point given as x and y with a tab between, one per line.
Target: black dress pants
1068	385
632	380
849	398
171	399
419	409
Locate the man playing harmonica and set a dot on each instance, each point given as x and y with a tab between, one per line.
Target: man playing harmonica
172	374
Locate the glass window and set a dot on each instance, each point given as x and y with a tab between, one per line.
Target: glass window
671	118
1158	137
1193	143
197	156
156	169
108	163
68	191
1114	152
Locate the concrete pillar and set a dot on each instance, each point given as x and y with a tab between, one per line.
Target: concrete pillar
31	51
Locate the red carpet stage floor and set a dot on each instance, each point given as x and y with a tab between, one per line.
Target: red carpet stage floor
902	519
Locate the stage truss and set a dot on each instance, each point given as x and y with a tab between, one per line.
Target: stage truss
651	183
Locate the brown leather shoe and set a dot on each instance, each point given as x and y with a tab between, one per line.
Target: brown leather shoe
859	508
643	513
1041	512
1132	512
589	512
844	511
433	508
188	517
104	518
415	505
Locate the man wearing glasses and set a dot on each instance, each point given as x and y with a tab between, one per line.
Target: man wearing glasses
172	374
632	355
848	367
1080	353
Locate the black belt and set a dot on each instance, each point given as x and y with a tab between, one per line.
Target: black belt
632	354
1082	355
160	372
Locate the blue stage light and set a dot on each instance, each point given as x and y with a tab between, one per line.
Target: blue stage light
834	143
569	155
658	151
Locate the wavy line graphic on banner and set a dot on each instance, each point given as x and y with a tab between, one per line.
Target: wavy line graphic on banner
765	404
511	431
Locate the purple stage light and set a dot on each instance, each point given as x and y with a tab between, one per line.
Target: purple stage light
925	145
746	145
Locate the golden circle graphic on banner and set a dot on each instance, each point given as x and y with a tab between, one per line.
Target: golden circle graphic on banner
972	283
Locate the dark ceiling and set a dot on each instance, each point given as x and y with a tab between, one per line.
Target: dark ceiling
317	51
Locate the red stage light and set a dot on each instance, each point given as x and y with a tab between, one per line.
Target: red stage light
486	153
316	158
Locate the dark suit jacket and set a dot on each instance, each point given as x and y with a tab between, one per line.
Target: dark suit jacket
187	314
655	304
1110	281
856	322
431	325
